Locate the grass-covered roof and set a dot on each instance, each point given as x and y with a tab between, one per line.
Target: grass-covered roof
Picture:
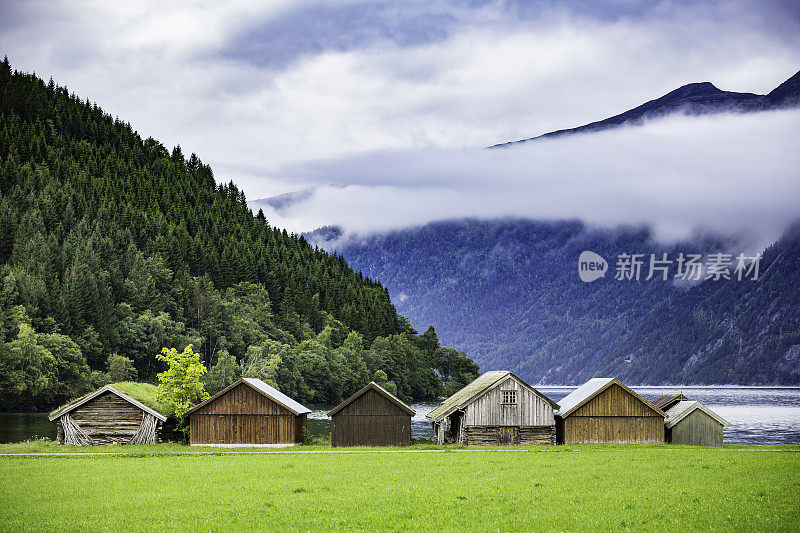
458	399
144	393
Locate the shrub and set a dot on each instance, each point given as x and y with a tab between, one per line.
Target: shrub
305	438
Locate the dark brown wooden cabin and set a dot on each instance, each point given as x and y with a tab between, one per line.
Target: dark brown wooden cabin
108	416
246	413
666	401
371	417
693	423
604	410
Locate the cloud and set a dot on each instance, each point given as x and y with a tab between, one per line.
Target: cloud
260	89
730	174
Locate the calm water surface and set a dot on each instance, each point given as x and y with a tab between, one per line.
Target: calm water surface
758	415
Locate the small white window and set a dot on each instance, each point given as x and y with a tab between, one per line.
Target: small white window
509	397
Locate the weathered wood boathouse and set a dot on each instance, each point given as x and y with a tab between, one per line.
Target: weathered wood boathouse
248	412
496	408
693	423
371	417
108	416
604	410
666	401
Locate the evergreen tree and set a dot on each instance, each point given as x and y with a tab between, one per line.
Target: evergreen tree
113	244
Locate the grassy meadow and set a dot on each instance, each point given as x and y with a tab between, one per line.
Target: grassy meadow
560	488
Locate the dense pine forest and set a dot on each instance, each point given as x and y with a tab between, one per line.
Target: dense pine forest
113	246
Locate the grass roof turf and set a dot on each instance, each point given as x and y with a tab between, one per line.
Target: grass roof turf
144	393
141	392
482	382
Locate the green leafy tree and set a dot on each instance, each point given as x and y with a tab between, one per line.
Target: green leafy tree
72	373
180	386
383	380
121	368
224	372
26	369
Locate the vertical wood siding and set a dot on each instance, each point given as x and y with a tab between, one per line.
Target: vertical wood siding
697	429
244	416
615	401
613	429
530	410
613	416
371	420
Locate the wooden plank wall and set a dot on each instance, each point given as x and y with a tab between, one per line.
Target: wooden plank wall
615	401
494	435
371	420
613	416
244	416
697	429
613	429
531	410
108	419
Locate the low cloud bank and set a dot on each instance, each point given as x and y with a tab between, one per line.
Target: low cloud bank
730	174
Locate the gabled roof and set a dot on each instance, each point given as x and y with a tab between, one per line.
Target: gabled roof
683	409
592	388
380	390
668	400
108	388
478	387
259	386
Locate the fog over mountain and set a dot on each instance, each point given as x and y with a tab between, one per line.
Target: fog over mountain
696	171
728	173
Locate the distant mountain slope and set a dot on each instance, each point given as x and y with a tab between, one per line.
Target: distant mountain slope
281	203
692	99
723	331
507	292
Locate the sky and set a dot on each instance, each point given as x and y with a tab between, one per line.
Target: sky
383	108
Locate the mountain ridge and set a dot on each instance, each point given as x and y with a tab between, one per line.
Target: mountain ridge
699	98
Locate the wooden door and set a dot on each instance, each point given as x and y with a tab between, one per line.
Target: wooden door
509	435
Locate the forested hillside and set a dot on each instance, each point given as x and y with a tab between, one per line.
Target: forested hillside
728	332
508	292
113	246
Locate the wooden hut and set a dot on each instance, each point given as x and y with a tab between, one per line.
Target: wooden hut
496	408
108	416
604	410
371	417
666	401
247	413
693	423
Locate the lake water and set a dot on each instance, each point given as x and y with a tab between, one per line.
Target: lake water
758	415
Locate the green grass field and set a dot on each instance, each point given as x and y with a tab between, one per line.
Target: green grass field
573	488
